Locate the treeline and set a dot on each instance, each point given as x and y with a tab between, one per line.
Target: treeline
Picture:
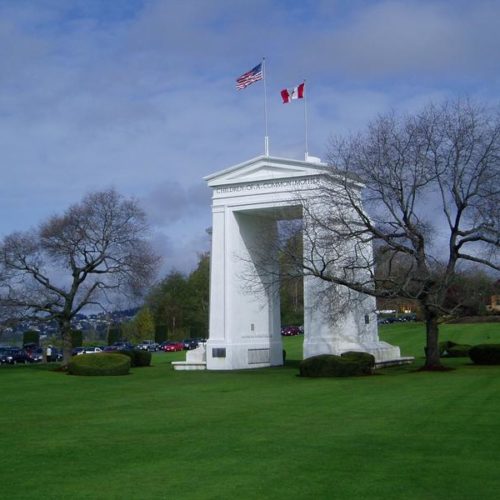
175	308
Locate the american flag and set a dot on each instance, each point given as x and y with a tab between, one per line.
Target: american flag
254	75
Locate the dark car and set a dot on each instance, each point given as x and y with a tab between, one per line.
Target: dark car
57	355
172	346
123	346
5	356
14	356
190	344
36	354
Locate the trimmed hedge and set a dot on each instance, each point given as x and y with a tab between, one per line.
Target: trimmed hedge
485	354
99	364
330	365
451	349
31	337
142	358
76	338
137	357
459	351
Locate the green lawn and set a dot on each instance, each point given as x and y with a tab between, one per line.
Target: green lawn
256	434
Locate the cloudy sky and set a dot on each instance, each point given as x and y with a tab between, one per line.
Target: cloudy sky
140	94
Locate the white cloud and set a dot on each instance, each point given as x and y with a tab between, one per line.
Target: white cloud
140	95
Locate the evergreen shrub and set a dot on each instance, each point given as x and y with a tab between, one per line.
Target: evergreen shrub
160	333
330	365
137	357
485	354
114	334
76	338
31	337
141	358
99	364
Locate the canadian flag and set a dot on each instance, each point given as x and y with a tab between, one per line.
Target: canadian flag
296	93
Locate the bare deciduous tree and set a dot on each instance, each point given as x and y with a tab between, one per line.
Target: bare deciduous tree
82	258
430	205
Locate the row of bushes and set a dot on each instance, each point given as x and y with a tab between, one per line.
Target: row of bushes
482	354
361	363
112	363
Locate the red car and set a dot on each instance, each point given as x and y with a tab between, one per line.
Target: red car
172	346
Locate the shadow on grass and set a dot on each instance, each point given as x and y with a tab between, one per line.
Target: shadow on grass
292	363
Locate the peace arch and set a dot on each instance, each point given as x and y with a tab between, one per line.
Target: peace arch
244	330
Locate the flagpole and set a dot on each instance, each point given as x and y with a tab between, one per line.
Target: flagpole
305	122
266	138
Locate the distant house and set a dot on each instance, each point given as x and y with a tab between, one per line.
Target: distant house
401	306
494	305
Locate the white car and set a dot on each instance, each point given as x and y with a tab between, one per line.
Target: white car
92	350
148	345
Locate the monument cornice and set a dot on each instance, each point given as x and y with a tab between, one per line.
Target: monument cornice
272	172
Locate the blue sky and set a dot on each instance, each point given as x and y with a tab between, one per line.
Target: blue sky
140	94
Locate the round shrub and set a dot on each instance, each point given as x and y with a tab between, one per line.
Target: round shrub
129	353
485	354
364	359
137	357
99	364
141	358
330	365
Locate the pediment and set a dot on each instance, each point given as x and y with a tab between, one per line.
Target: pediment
264	168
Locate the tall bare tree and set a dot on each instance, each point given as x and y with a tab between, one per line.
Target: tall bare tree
429	205
85	257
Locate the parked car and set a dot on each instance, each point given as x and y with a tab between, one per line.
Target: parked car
148	345
190	344
77	351
14	355
36	354
92	350
123	346
57	355
172	346
5	356
290	331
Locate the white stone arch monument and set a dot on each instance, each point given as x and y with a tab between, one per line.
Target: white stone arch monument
245	330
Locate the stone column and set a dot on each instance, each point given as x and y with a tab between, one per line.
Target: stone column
245	326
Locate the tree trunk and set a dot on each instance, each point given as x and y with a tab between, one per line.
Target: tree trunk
65	327
432	357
